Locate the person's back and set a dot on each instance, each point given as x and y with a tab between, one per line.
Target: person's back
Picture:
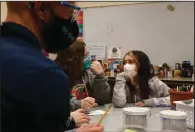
35	93
28	82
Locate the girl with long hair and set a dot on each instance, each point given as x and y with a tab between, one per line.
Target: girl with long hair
87	79
138	84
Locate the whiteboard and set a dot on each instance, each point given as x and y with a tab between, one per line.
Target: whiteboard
165	36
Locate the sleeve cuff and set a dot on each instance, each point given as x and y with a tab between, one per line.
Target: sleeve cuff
148	102
70	123
75	104
78	103
73	130
102	75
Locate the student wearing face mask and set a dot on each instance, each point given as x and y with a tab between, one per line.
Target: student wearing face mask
75	61
138	84
35	92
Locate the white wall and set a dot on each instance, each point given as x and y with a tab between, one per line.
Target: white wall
181	45
103	4
163	35
3	11
81	4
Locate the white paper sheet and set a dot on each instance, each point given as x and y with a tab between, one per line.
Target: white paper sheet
98	50
96	112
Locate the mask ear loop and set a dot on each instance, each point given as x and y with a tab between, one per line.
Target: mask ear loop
53	16
31	7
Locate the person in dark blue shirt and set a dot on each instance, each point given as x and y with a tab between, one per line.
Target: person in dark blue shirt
35	92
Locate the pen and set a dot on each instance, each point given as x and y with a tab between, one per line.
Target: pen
85	87
100	121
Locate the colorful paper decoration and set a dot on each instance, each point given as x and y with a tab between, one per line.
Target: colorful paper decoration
80	24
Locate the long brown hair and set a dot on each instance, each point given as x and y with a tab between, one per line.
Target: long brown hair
71	61
145	71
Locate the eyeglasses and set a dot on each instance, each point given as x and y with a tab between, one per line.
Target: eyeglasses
76	10
86	55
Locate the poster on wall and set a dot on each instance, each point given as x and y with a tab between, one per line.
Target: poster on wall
98	50
80	24
114	52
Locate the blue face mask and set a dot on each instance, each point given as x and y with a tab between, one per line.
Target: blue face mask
87	63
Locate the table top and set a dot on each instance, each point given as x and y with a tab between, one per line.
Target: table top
113	121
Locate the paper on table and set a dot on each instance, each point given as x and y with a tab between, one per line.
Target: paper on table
96	112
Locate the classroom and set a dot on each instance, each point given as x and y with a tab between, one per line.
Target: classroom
128	66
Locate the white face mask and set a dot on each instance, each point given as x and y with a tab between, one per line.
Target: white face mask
130	68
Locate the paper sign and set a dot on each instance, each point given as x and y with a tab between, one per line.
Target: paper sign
97	50
114	52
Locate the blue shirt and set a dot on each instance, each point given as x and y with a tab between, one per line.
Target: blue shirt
35	93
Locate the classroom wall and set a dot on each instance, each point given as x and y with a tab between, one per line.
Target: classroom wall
81	4
103	4
165	36
3	11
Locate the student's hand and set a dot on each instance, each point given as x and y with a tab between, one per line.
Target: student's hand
132	80
140	103
91	128
80	117
88	103
96	68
